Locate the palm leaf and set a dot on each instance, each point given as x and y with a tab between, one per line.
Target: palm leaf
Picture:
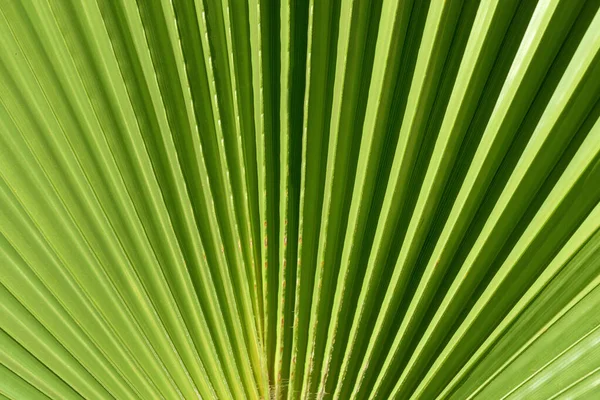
298	199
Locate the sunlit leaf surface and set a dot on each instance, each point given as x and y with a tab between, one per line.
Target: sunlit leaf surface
299	199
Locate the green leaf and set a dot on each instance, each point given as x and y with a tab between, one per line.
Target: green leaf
297	199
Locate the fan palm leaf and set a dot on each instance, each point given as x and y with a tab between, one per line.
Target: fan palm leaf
296	199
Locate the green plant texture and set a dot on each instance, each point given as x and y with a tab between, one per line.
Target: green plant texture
299	199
